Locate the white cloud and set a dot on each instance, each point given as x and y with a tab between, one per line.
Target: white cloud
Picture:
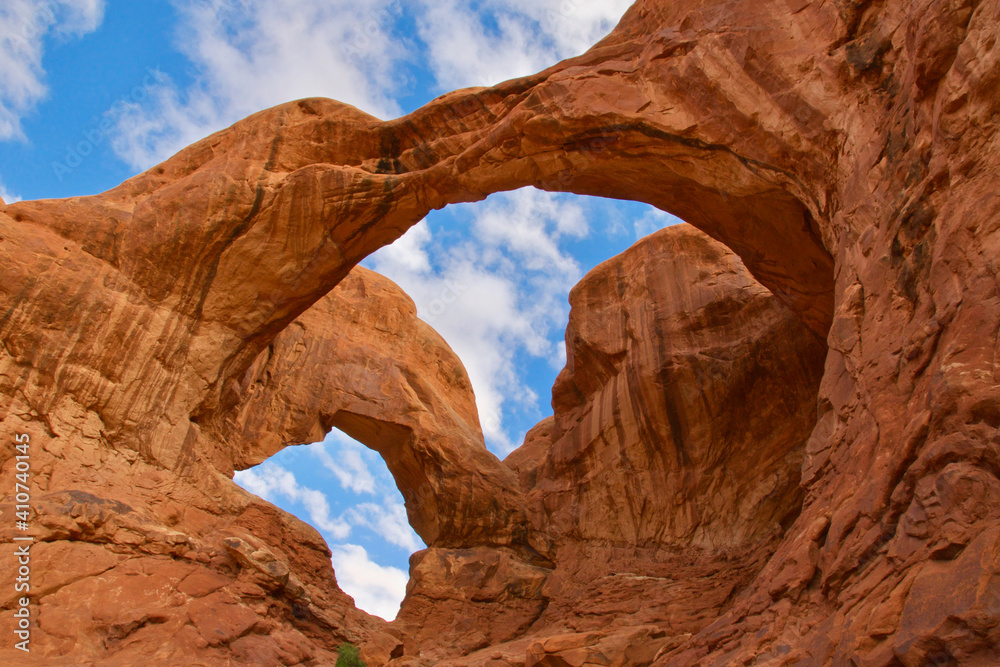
253	54
653	220
388	521
352	464
7	196
409	252
499	293
24	26
377	589
271	482
346	461
518	223
558	358
503	39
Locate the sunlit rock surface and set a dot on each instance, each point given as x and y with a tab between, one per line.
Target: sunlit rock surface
665	478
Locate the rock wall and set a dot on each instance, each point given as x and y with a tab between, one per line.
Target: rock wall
137	562
664	480
845	151
683	410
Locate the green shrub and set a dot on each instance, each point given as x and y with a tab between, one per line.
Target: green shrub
347	656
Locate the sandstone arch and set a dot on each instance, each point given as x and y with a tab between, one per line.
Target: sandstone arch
391	382
793	132
277	173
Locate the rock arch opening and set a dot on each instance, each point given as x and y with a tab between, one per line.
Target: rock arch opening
684	377
344	490
393	436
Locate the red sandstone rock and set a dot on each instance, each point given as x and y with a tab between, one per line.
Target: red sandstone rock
668	428
182	566
664	477
361	361
845	151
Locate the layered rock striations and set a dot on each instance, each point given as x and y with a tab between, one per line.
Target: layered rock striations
845	151
359	360
667	425
664	479
135	561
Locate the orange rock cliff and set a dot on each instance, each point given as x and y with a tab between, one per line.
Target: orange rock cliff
775	441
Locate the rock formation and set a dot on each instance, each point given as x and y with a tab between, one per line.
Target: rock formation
663	480
845	151
673	355
360	360
138	562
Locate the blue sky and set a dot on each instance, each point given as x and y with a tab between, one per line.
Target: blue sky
94	91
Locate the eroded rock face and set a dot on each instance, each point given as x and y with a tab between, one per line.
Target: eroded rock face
360	360
136	562
663	479
845	151
681	415
205	569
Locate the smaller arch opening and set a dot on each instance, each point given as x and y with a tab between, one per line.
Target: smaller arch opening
344	490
